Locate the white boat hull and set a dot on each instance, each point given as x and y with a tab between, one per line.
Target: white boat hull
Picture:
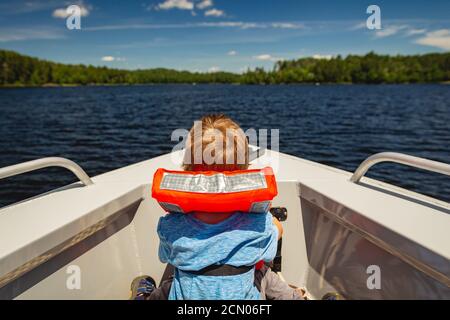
336	230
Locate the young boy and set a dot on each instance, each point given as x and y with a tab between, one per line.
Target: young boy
196	243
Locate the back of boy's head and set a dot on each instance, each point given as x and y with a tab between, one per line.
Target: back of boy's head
216	143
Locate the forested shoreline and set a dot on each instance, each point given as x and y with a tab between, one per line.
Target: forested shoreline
372	68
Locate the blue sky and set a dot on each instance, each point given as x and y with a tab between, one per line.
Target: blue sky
209	35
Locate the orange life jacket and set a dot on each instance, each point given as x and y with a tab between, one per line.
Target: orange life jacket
211	191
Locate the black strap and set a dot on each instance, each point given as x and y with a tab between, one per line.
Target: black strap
221	270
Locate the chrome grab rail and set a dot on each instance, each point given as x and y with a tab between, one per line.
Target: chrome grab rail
405	159
45	163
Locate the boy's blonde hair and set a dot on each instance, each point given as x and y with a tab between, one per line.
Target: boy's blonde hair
216	143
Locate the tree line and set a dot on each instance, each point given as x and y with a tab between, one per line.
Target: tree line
370	68
21	70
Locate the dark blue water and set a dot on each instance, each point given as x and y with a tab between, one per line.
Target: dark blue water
104	128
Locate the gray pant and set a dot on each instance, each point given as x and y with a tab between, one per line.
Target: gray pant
272	287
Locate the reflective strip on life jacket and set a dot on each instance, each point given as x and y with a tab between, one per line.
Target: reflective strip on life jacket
210	191
216	183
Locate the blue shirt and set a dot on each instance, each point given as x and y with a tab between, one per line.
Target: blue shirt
189	244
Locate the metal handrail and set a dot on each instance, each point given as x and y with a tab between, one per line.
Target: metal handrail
45	163
405	159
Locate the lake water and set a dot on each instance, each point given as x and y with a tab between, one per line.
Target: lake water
104	128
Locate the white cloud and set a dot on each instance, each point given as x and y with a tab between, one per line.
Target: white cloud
404	30
359	26
15	34
439	39
204	4
61	13
214	13
214	69
413	32
389	31
220	24
176	4
322	57
226	24
232	53
287	25
111	59
392	29
267	57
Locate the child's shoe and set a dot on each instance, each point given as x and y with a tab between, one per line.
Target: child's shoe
142	287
